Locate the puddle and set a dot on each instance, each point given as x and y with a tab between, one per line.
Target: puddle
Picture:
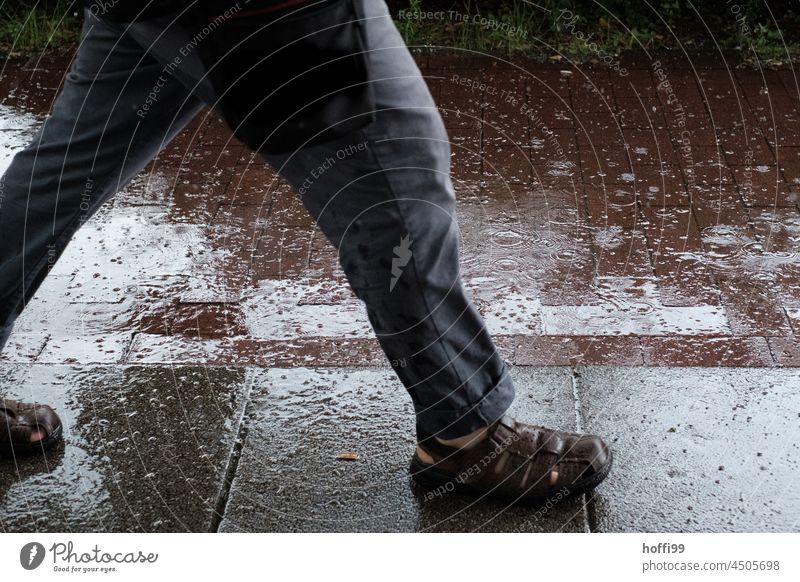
137	439
632	307
154	247
561	168
279	309
289	479
733	251
609	238
16	131
623	306
116	275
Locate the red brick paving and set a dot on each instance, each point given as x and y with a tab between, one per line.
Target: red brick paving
602	224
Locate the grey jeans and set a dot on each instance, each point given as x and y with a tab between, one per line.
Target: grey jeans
388	207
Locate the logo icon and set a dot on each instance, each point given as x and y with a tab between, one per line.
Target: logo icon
31	555
402	254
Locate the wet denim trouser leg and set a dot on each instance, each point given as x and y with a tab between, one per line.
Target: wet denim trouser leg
387	184
382	196
91	145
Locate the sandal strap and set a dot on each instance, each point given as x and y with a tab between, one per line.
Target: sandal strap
519	458
18	420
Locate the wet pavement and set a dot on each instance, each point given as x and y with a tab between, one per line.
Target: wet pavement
147	449
631	241
234	449
603	221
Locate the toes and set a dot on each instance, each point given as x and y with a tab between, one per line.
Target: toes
424	456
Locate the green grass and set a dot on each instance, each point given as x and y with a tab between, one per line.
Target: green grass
765	45
519	19
54	26
541	38
35	27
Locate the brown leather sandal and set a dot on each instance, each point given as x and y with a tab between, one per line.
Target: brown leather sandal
18	422
516	461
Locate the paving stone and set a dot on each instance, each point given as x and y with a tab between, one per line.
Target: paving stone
624	306
605	163
199	320
649	147
254	188
746	147
634	113
459	107
598	127
506	120
753	308
106	348
23	347
186	199
696	450
288	477
660	185
613	205
183	257
678	259
283	253
146	449
507	163
764	186
578	351
621	253
707	351
592	82
553	112
785	350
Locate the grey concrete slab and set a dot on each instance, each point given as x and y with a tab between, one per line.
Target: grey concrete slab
147	448
696	449
289	479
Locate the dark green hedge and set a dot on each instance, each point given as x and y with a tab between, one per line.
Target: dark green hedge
637	12
757	27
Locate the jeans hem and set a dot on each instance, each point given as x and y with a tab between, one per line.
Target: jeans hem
453	423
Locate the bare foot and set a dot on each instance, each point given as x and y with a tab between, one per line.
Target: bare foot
463	443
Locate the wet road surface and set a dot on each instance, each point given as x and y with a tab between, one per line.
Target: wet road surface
159	448
644	283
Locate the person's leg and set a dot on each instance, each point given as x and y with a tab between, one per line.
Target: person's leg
97	138
383	197
387	204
